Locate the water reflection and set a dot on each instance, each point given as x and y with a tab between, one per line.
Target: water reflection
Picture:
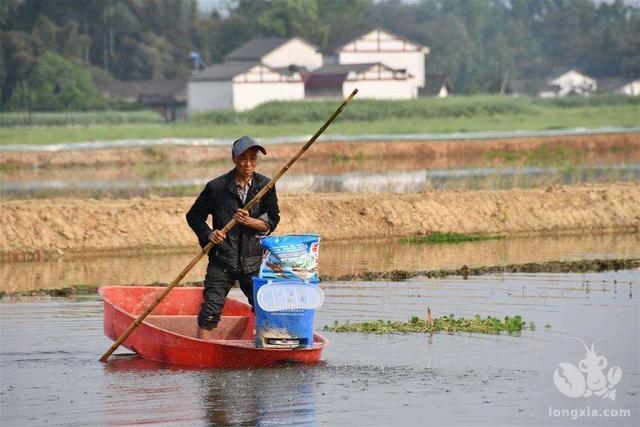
246	397
337	258
260	397
408	176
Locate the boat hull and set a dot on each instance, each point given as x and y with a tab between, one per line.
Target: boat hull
169	334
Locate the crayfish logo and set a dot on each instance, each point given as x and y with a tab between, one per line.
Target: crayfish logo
588	378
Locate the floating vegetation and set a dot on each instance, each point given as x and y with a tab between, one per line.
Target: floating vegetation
450	324
67	291
449	238
77	290
578	266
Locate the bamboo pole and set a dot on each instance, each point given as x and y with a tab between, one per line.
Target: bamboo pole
226	228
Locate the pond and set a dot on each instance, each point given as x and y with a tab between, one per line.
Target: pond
50	373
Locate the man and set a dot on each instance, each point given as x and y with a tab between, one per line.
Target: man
237	254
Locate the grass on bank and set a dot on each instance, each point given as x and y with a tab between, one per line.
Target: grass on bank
438	237
428	115
78	118
307	111
449	324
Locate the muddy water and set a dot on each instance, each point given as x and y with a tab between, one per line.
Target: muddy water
392	175
50	374
338	258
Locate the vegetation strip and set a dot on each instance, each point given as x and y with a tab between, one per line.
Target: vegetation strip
579	266
277	119
450	324
438	237
77	290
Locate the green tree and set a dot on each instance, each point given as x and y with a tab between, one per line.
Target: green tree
287	18
56	84
17	59
66	40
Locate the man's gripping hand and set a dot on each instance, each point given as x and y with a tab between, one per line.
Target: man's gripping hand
217	237
242	216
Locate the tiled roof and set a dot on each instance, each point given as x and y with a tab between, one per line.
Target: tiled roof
143	88
255	49
224	71
335	69
340	44
610	84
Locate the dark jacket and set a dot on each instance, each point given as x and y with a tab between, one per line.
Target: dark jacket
241	251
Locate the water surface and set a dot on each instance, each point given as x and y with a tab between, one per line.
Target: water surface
352	176
50	374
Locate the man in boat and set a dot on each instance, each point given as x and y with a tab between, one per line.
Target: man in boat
237	254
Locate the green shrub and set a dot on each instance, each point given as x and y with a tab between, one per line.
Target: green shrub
607	99
56	84
370	110
218	117
306	111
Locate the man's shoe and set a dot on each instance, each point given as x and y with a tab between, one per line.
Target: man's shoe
207	323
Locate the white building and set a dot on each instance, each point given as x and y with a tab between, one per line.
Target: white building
380	64
394	51
278	52
621	86
567	83
242	86
630	88
373	80
259	71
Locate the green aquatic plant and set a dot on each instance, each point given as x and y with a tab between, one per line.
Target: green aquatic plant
341	157
448	238
450	324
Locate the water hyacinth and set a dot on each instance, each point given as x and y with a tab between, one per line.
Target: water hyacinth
450	324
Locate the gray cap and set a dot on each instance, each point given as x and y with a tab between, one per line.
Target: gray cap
243	144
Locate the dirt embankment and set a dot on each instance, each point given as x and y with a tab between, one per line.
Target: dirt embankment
49	228
432	154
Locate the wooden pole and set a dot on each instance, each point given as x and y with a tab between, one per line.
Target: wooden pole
226	228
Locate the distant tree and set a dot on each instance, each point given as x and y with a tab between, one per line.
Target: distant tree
17	59
614	41
345	20
56	84
477	43
287	18
451	47
65	40
208	38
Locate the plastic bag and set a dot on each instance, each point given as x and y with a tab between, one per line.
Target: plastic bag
290	257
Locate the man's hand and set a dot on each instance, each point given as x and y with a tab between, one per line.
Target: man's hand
242	216
217	237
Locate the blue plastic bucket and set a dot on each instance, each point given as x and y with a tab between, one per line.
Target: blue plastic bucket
292	328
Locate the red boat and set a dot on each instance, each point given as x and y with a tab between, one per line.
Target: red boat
170	333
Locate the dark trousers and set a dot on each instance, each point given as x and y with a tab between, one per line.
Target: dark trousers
217	284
